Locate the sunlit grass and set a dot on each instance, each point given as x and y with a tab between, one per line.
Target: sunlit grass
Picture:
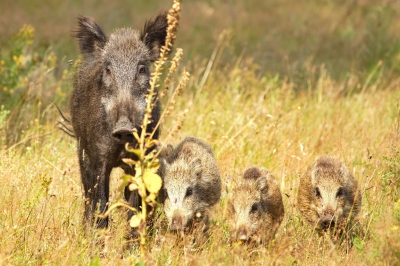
249	120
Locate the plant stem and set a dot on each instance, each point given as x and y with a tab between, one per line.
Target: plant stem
144	231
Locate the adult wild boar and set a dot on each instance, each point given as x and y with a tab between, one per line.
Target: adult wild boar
109	100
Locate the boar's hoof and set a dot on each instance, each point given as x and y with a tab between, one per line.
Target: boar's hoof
122	135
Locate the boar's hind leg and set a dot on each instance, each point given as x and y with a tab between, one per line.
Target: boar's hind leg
96	183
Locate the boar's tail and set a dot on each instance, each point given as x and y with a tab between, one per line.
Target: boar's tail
65	125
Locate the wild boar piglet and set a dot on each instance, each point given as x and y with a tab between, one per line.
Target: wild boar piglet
191	184
328	195
255	207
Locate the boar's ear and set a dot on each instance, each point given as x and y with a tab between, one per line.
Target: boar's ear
91	37
154	34
196	166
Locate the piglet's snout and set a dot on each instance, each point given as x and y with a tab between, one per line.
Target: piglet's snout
327	220
177	223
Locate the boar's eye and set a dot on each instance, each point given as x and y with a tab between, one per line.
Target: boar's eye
254	208
317	193
189	192
340	192
142	69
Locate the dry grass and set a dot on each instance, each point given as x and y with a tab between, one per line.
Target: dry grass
248	120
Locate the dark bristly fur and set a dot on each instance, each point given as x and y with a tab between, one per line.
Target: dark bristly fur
152	32
89	35
252	173
108	102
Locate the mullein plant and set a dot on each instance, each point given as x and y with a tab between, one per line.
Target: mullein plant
146	180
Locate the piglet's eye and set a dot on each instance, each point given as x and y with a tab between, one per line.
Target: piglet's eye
165	194
142	69
254	208
189	192
317	193
340	192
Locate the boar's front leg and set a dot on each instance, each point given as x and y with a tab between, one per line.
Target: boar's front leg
96	183
132	197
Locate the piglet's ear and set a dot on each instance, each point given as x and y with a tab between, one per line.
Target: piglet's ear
344	173
90	36
195	164
262	184
162	170
252	173
154	34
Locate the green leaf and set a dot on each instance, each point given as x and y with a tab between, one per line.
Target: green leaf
133	186
135	221
131	150
129	161
95	261
151	197
359	243
152	181
154	165
140	263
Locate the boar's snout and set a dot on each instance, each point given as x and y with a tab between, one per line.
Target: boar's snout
122	135
326	221
123	131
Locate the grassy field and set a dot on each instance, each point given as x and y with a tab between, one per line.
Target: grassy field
279	115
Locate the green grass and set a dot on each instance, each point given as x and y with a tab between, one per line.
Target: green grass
249	115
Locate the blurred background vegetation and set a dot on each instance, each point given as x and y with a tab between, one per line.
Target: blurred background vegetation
295	40
282	35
